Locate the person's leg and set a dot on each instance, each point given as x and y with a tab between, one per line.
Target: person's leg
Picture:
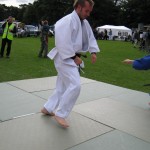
45	49
3	47
41	48
71	80
8	47
53	100
66	93
135	43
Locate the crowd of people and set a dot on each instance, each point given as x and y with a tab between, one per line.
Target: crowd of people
141	39
107	34
103	35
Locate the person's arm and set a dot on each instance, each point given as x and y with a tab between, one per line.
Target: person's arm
14	30
139	64
93	57
128	61
142	63
93	46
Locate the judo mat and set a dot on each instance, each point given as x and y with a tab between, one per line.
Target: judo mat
105	117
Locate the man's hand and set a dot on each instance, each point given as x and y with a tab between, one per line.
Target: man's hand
128	61
93	58
78	60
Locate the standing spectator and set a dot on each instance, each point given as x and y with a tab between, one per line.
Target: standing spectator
142	42
9	29
105	34
135	38
147	42
110	34
73	35
44	39
119	34
101	35
141	35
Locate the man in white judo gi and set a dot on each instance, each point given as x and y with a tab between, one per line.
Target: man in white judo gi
73	35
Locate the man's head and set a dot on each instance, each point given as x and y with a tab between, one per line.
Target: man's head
10	19
83	8
45	22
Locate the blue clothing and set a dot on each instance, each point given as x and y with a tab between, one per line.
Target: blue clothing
142	63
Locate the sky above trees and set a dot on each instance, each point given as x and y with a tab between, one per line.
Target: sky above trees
15	3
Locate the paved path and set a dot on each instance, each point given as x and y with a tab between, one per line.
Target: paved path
105	117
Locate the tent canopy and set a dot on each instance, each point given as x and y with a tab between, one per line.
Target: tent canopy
122	30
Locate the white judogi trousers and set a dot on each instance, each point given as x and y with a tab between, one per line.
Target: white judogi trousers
67	89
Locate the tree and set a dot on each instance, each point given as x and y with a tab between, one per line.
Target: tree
52	10
104	12
29	16
134	12
113	12
2	12
8	11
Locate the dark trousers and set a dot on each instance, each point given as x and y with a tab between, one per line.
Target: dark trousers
4	42
44	46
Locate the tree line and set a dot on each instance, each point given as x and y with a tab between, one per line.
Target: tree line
113	12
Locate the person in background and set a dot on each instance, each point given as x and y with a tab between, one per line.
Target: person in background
73	35
110	34
44	39
9	29
135	38
147	40
105	35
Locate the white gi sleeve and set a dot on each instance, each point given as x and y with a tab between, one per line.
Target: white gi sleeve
93	46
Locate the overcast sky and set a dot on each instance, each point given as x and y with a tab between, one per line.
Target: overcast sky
15	2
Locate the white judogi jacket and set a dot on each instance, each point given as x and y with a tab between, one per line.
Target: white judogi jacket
73	36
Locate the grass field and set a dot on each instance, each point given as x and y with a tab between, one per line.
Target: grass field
25	64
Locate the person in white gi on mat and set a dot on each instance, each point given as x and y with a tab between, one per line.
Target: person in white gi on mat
73	35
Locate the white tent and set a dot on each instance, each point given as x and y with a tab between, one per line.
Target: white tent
122	30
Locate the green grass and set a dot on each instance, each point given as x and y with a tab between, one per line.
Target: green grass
24	64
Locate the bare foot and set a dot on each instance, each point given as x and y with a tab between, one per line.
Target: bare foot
45	112
61	121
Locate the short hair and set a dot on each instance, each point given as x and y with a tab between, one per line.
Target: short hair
82	3
45	22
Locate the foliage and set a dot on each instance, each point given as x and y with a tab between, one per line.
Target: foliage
115	12
105	12
134	12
